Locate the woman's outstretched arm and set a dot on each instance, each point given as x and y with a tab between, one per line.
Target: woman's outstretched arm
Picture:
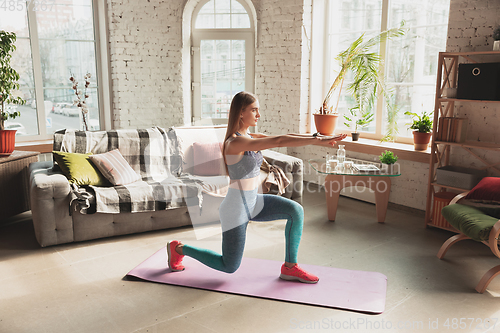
239	144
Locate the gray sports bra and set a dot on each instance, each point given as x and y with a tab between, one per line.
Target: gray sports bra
247	167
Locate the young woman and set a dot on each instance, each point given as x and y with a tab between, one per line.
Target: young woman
243	202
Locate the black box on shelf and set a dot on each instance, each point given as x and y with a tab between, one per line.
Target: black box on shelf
479	81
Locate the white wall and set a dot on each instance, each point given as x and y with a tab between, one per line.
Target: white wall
147	70
282	64
470	29
146	67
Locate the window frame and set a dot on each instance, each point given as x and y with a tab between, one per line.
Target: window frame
199	34
320	63
102	69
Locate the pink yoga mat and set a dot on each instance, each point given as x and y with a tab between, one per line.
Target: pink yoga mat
337	288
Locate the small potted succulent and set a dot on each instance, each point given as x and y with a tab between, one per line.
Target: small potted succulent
388	159
8	87
358	121
422	126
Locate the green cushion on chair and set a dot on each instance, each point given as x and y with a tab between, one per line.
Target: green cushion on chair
470	221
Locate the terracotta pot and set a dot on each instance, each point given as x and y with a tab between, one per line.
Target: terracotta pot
421	140
7	142
325	123
355	136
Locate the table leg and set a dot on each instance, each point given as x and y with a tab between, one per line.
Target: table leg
382	190
332	188
379	184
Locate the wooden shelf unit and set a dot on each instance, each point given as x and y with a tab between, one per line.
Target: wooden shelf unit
447	77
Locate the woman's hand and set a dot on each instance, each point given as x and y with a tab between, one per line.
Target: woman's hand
329	141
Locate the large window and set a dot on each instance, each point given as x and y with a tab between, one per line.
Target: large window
55	40
410	62
223	57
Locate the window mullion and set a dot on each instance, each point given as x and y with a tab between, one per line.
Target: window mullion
327	48
384	24
37	69
102	60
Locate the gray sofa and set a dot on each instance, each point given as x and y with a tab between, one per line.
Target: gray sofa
51	193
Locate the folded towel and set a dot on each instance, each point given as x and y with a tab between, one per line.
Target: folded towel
275	176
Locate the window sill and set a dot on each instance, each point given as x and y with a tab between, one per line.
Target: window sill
44	146
375	147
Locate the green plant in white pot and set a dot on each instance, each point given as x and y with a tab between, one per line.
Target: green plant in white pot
8	85
388	159
496	38
363	63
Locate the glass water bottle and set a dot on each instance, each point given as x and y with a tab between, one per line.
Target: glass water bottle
341	155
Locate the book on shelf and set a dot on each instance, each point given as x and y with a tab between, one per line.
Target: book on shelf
452	129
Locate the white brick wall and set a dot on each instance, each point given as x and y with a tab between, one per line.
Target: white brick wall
282	64
470	29
471	25
145	51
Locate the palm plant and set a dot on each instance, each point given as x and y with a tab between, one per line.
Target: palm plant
359	59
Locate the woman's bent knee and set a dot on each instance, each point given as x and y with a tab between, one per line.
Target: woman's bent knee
230	268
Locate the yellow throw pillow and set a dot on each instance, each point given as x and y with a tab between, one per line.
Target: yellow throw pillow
79	169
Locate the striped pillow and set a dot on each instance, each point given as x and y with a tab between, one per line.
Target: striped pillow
115	168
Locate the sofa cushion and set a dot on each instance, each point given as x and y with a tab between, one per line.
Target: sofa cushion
79	170
207	159
115	168
469	220
186	138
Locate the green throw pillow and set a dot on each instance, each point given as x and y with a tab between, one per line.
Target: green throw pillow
79	169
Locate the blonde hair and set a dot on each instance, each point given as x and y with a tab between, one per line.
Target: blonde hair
240	101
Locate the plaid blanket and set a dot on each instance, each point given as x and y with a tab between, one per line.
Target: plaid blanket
152	153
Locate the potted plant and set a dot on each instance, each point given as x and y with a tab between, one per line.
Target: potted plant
422	126
387	158
8	85
360	60
496	38
358	121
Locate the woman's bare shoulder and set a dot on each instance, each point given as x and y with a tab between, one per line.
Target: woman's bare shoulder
258	135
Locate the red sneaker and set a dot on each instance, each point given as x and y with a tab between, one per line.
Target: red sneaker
296	273
174	259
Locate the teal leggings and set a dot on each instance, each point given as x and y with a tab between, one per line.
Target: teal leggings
237	209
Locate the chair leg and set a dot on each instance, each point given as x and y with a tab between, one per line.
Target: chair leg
446	245
486	279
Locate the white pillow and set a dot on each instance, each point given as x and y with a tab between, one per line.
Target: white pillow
115	168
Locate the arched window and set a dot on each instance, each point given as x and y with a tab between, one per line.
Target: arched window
223	47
